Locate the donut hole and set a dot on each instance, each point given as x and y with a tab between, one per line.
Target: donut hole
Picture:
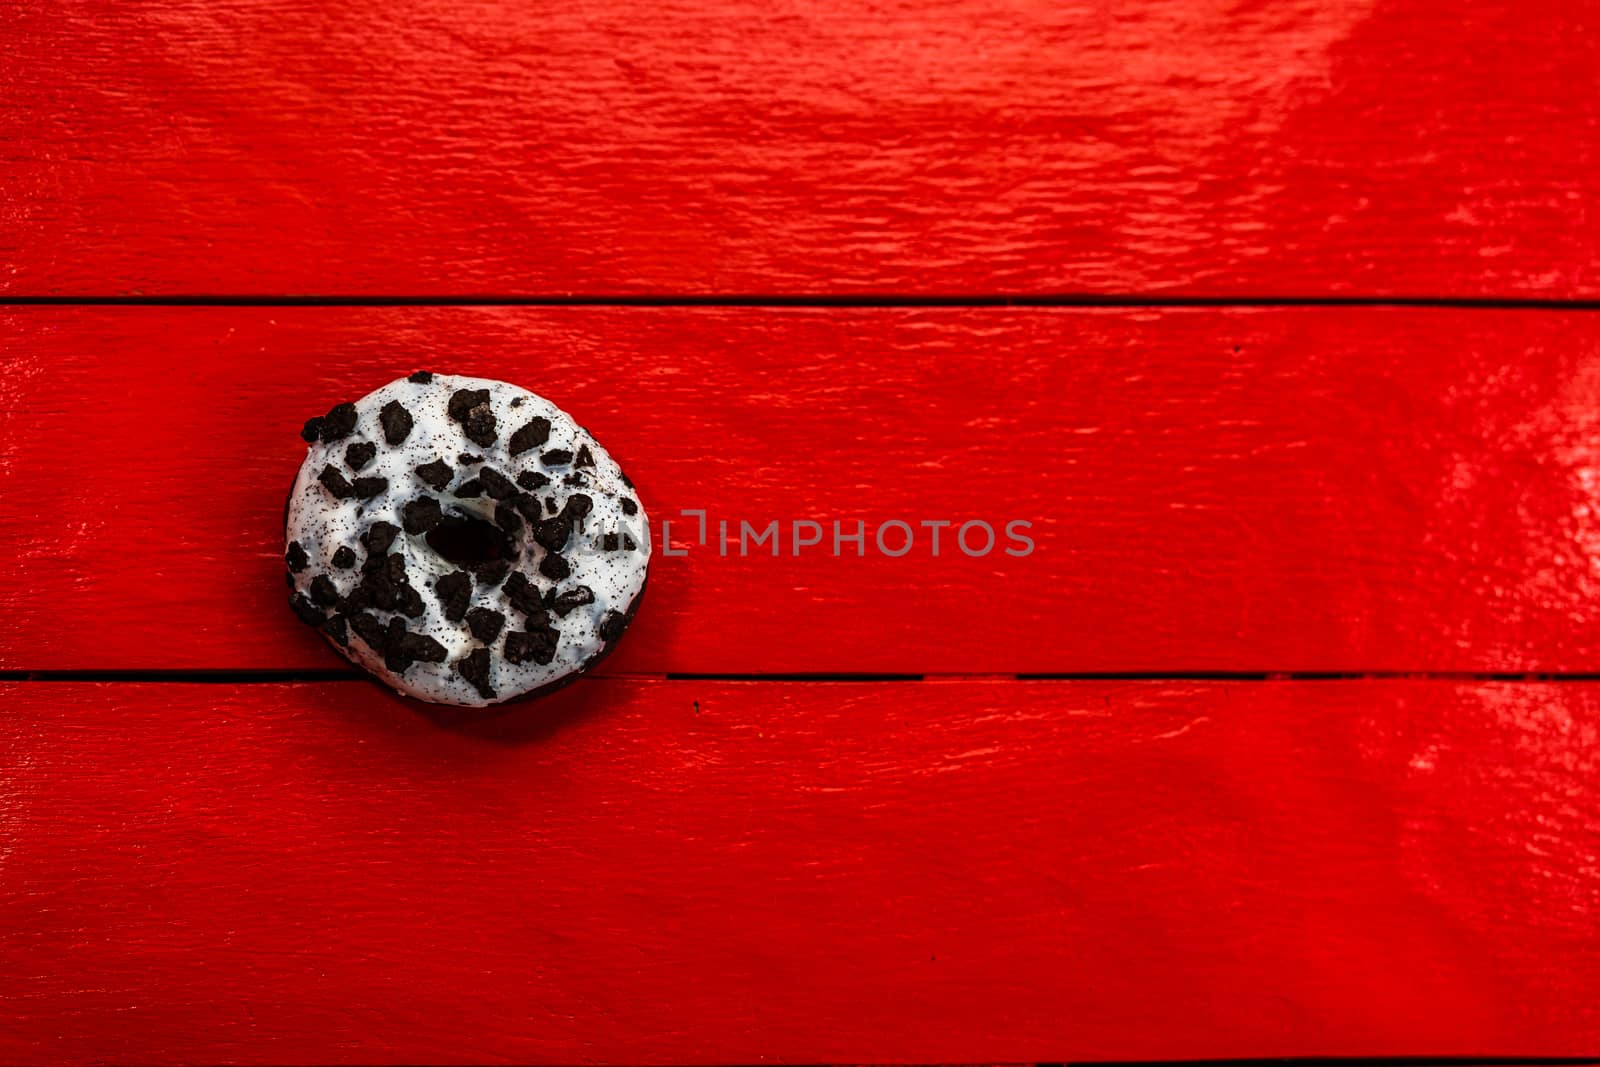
466	539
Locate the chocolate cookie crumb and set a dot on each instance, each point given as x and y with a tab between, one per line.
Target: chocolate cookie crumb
420	515
575	597
323	591
436	474
496	484
474	667
455	593
396	422
335	628
493	572
485	624
534	434
379	536
522	594
305	610
360	454
536	645
339	423
336	483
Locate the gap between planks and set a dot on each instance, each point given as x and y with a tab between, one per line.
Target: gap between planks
334	674
803	300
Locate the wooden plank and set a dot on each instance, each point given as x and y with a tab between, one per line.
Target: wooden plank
716	872
1420	147
1209	490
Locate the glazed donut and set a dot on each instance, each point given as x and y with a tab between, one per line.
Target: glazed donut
463	539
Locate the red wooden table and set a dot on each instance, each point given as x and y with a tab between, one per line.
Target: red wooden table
1276	322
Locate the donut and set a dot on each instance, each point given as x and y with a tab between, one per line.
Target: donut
463	539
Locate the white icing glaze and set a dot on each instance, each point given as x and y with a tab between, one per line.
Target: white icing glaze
322	523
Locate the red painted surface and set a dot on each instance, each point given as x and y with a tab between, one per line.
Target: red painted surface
1244	490
959	870
712	872
1422	147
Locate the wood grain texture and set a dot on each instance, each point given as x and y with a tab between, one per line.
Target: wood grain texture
1416	147
1242	490
697	872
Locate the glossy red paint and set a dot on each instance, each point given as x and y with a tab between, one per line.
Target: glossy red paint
965	869
715	872
1414	147
1234	490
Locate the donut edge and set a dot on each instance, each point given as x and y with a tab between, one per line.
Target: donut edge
490	708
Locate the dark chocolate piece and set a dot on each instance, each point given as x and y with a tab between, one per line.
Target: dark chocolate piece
554	567
296	557
556	457
420	515
485	624
506	517
343	558
470	407
409	602
335	628
527	505
338	423
496	484
629	507
585	458
305	610
469	488
474	667
421	377
534	434
436	474
463	401
575	597
312	430
396	422
360	454
533	480
454	591
612	625
537	645
379	536
324	592
367	627
367	488
336	483
479	427
403	648
467	459
492	572
523	594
